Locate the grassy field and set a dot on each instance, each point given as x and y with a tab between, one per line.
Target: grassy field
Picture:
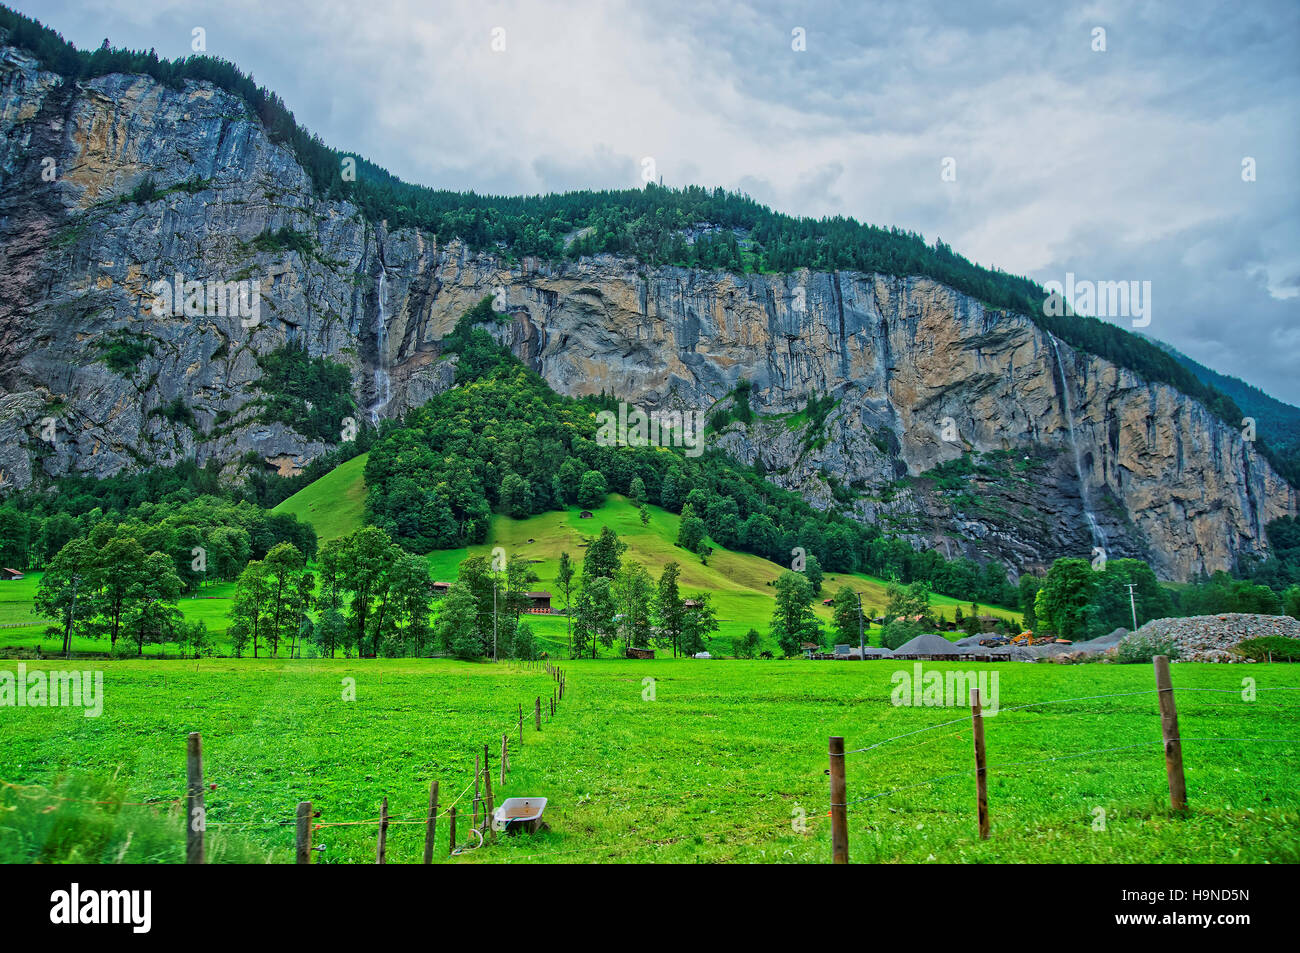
710	761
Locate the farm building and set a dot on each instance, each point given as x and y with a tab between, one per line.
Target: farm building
441	588
640	653
538	602
692	604
10	575
585	515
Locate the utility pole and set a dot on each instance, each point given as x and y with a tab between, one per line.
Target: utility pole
862	645
494	615
1133	605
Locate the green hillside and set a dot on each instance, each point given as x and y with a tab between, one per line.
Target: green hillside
738	583
335	504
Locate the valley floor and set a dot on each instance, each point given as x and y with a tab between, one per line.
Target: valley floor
660	761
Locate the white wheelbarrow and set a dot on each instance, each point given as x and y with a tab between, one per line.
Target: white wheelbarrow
517	814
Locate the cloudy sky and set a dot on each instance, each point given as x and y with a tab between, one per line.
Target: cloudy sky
1122	164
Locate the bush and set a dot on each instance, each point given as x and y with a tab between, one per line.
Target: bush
286	239
1279	648
1143	648
146	191
123	351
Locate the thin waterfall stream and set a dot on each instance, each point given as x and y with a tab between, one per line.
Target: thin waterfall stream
1098	537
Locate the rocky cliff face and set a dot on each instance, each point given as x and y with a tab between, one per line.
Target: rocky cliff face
1074	453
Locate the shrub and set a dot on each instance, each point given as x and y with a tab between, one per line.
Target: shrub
1279	648
146	191
285	239
123	351
1143	648
747	646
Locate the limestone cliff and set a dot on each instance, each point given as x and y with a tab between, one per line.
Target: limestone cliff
1075	452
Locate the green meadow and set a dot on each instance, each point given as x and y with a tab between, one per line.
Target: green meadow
670	761
21	627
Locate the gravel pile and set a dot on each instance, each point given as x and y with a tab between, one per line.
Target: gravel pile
928	644
1209	638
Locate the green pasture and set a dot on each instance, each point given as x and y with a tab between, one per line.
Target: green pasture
682	761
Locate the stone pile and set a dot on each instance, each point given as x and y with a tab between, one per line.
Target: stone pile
1210	638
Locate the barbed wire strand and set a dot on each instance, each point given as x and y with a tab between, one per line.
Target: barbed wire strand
1063	757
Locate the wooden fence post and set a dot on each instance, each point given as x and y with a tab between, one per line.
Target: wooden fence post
537	713
1169	730
195	813
302	840
478	777
487	792
505	759
521	724
431	825
451	828
981	764
381	847
839	804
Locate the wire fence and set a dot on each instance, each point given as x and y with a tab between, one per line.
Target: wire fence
964	728
1171	740
516	724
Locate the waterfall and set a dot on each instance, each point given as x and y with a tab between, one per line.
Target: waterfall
383	386
1098	537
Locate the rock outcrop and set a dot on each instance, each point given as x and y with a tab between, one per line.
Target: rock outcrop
1074	452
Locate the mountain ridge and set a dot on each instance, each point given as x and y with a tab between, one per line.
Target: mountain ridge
1161	475
518	225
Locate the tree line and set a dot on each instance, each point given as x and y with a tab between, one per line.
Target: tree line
1079	600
